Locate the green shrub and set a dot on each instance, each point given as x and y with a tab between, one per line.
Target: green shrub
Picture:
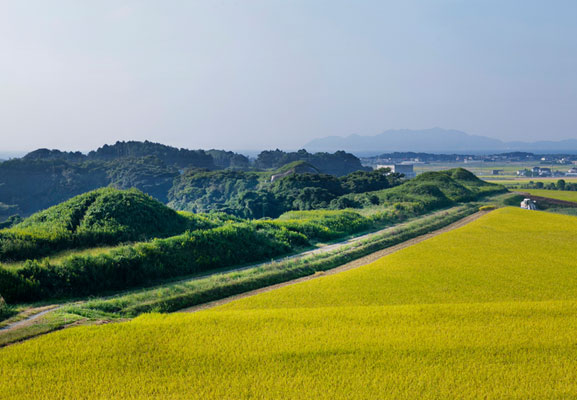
487	208
5	310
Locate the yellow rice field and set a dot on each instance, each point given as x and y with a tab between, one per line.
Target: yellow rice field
487	311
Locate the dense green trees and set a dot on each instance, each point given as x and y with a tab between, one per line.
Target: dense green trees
204	191
339	163
47	177
228	159
5	310
252	195
148	174
561	184
181	158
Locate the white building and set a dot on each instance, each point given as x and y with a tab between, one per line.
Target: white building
405	169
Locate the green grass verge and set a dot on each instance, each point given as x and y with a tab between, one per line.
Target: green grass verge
44	324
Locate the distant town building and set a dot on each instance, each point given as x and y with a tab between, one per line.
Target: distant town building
405	169
541	171
497	172
545	172
571	172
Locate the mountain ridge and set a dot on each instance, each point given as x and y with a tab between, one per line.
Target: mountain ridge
435	140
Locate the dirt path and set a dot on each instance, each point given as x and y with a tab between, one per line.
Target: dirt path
359	262
29	320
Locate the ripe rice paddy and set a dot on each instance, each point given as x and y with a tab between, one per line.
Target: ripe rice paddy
486	311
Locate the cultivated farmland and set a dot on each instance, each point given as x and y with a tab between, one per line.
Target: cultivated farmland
485	311
554	194
521	181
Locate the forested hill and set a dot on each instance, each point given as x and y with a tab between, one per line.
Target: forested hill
45	177
181	158
338	163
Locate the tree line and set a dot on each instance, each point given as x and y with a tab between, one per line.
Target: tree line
45	177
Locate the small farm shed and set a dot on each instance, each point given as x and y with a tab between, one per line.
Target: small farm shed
528	204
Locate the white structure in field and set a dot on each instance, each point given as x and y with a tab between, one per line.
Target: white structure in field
528	204
572	172
405	169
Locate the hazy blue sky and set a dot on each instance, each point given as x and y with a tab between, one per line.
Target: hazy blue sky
252	74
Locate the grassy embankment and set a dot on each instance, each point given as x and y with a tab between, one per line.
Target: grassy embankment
210	241
486	311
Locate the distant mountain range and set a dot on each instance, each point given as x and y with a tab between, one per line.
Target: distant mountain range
434	140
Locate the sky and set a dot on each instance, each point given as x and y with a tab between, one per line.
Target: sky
259	74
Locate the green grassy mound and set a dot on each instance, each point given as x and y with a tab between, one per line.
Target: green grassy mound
103	216
438	189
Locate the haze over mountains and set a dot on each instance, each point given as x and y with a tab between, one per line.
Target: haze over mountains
5	155
434	140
